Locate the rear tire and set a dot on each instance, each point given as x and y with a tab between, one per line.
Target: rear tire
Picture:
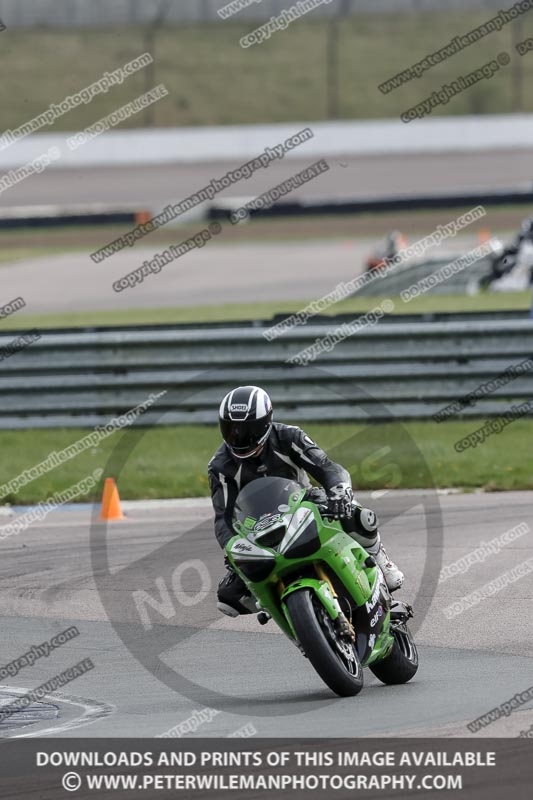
402	663
319	648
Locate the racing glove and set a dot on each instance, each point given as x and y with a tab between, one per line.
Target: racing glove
340	500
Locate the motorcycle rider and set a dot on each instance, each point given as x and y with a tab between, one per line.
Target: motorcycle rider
515	258
254	446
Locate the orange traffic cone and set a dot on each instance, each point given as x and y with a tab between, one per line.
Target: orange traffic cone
142	217
484	235
111	509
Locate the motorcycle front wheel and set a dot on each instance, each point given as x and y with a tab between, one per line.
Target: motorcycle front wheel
332	656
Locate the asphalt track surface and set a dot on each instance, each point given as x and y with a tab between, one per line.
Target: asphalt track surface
224	272
363	176
217	273
53	577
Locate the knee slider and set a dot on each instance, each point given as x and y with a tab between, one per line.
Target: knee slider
366	522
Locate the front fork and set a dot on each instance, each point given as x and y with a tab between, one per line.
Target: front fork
326	594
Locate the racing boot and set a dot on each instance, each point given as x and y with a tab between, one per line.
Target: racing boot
394	577
233	596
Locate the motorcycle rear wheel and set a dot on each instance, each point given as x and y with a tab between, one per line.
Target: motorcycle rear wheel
402	663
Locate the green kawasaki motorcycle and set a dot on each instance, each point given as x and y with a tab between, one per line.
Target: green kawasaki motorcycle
320	586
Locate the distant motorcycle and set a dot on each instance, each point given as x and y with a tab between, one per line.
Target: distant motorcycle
510	266
387	249
319	585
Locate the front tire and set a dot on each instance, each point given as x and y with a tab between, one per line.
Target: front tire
402	663
314	629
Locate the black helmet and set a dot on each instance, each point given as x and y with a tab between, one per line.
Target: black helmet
245	418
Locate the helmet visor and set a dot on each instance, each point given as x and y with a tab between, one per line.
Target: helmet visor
242	437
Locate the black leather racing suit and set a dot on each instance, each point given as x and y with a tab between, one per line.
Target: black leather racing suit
288	453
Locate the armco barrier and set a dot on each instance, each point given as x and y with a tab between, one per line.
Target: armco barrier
521	196
64	216
80	14
409	369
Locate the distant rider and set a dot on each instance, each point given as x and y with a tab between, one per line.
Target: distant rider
255	447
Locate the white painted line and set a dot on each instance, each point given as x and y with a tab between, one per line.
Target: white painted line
178	502
93	711
204	503
87	523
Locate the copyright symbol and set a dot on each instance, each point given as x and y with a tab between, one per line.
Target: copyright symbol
503	59
215	228
387	306
71	781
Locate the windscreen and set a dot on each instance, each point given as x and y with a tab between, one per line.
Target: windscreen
265	496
